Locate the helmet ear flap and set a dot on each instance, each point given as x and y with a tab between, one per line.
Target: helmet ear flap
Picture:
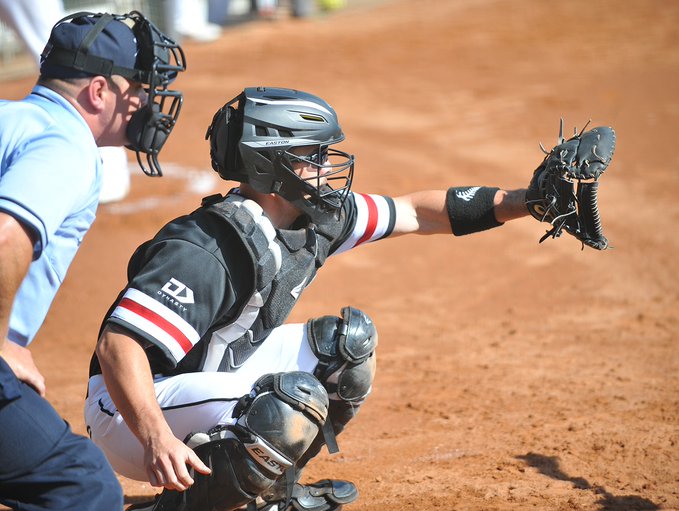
224	133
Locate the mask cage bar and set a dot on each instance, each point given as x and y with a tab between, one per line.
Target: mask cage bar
163	59
162	125
326	195
163	113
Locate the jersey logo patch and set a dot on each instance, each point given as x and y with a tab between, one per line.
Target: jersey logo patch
468	194
178	291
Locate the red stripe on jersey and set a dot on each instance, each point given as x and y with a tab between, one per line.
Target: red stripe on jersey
372	219
159	321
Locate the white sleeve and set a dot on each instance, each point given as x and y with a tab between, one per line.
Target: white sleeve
374	217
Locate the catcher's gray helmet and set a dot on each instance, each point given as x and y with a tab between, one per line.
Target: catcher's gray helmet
252	138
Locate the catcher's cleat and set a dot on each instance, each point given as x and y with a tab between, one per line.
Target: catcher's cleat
325	495
142	506
166	501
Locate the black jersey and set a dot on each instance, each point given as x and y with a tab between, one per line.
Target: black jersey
204	292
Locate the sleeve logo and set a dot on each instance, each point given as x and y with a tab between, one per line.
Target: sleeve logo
178	291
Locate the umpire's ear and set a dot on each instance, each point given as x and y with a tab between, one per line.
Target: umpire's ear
94	97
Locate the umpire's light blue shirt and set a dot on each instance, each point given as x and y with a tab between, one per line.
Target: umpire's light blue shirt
50	175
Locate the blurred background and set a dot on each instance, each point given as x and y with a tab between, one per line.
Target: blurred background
511	375
25	27
198	20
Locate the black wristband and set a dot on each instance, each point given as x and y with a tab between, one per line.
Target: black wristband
471	209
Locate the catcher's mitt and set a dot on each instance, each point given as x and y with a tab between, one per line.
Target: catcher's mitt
564	187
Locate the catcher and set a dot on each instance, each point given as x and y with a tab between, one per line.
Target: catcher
197	385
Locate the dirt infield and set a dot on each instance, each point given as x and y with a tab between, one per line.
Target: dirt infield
511	375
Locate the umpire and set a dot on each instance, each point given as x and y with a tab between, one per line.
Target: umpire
103	81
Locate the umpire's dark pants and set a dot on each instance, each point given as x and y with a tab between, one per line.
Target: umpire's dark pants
43	465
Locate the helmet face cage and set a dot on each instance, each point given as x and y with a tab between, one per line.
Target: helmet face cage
158	62
163	59
159	118
328	187
254	143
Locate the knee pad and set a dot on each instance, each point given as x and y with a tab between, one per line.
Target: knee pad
283	412
275	424
345	347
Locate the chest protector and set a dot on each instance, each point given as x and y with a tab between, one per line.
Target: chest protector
284	262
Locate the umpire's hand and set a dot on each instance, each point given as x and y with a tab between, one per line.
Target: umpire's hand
20	360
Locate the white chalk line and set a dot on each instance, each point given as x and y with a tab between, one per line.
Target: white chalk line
198	182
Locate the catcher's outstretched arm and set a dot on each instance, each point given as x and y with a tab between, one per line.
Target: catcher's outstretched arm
510	205
427	212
